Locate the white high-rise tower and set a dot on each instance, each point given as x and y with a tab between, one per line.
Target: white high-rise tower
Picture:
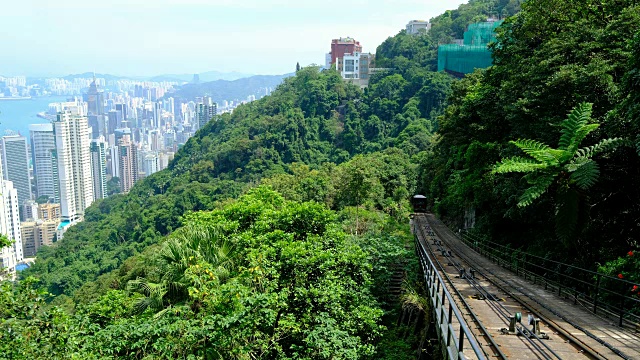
73	159
99	167
9	227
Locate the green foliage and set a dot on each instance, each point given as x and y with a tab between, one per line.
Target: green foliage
543	66
4	241
113	186
453	23
571	166
260	277
42	199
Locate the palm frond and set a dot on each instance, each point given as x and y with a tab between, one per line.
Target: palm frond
539	186
517	164
537	150
139	285
153	295
576	119
586	175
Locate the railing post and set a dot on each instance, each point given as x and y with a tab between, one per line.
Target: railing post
621	311
595	296
449	325
461	340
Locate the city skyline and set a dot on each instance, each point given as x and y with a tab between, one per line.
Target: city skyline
193	36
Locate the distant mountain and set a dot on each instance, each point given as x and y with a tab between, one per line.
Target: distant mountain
180	78
221	90
204	77
107	77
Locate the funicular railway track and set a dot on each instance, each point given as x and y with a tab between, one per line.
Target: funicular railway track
491	299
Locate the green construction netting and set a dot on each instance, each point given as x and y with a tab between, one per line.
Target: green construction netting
463	58
474	54
481	33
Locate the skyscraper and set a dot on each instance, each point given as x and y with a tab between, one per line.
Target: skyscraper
123	110
10	227
128	163
99	168
113	121
205	112
150	164
95	99
95	109
74	165
43	144
15	164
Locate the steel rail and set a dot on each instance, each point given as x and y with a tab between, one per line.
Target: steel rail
424	252
592	352
502	311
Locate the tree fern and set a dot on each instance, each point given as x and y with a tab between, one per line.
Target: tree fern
537	188
537	150
586	175
517	164
576	119
567	213
570	167
604	145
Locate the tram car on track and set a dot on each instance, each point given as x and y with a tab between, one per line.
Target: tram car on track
419	203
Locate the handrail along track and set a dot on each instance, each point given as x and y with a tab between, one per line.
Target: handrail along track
440	300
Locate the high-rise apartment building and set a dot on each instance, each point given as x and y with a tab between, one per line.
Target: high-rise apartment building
205	112
150	163
74	166
43	145
30	210
15	164
113	121
98	151
36	234
123	110
49	212
113	161
128	163
10	227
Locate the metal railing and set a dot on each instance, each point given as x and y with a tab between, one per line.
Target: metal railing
602	293
446	310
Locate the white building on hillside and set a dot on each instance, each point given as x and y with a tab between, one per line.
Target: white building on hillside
416	26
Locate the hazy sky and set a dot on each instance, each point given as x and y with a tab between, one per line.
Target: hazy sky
151	37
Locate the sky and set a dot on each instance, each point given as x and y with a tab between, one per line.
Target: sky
153	37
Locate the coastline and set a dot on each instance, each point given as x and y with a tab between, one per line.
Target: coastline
7	98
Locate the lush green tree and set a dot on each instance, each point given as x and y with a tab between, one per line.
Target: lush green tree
113	186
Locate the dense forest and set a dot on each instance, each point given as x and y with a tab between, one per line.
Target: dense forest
275	230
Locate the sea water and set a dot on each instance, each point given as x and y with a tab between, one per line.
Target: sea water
17	115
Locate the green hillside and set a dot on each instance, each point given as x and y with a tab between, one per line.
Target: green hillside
275	230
